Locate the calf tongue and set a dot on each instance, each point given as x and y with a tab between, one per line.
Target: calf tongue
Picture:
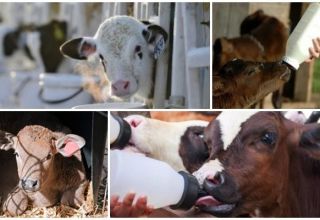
207	201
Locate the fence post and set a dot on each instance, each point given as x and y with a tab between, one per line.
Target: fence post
161	76
178	79
192	74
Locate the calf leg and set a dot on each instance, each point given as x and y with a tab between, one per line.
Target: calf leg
16	203
74	197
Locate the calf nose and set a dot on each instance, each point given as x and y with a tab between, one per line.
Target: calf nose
29	184
134	120
213	182
222	187
120	88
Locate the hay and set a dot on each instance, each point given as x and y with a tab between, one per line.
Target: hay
88	209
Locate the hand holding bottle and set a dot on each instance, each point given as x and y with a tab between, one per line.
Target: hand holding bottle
315	50
126	208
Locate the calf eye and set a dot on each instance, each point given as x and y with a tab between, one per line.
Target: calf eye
49	156
137	50
269	138
251	72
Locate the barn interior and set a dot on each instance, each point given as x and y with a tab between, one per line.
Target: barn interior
92	126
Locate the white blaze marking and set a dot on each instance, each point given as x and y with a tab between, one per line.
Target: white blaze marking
208	169
230	124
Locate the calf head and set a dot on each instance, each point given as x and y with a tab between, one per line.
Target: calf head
252	21
127	49
36	148
242	83
225	50
259	162
161	140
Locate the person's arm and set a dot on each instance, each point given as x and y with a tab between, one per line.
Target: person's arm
315	50
126	208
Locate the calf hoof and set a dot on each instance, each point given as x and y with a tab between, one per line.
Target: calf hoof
16	203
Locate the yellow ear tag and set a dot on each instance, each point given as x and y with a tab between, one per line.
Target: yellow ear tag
58	33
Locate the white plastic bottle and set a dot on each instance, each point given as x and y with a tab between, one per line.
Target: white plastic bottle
163	186
300	40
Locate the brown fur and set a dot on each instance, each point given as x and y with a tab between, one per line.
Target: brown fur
263	39
173	116
280	179
271	33
240	84
60	179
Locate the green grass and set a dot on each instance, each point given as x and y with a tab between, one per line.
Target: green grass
316	77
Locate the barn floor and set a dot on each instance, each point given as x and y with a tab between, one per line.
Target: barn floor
87	210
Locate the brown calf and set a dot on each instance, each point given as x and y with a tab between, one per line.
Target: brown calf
240	84
46	177
263	38
261	163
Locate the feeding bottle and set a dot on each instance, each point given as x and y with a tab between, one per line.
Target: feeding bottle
300	40
162	185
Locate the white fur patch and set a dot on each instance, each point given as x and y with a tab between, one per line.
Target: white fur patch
161	140
208	169
230	124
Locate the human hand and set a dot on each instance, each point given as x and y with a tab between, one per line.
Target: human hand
315	50
126	207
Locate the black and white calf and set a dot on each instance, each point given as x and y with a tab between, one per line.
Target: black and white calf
39	44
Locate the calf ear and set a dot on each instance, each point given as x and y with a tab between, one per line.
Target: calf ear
79	48
7	141
69	144
156	37
310	142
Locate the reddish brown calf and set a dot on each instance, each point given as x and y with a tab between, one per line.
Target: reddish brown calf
260	163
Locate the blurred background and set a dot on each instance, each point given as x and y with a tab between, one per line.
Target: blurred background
303	89
33	73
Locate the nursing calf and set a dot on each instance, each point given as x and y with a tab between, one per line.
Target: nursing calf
240	84
260	163
50	169
161	140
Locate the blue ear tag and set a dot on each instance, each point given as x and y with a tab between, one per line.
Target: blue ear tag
159	48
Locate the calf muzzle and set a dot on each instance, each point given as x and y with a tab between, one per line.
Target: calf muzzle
30	185
223	196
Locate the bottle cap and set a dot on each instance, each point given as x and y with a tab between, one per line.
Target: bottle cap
124	133
291	62
190	193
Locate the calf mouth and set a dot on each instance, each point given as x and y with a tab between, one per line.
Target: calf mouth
279	69
222	196
213	206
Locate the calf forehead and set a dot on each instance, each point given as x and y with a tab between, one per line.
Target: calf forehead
36	139
230	124
115	33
